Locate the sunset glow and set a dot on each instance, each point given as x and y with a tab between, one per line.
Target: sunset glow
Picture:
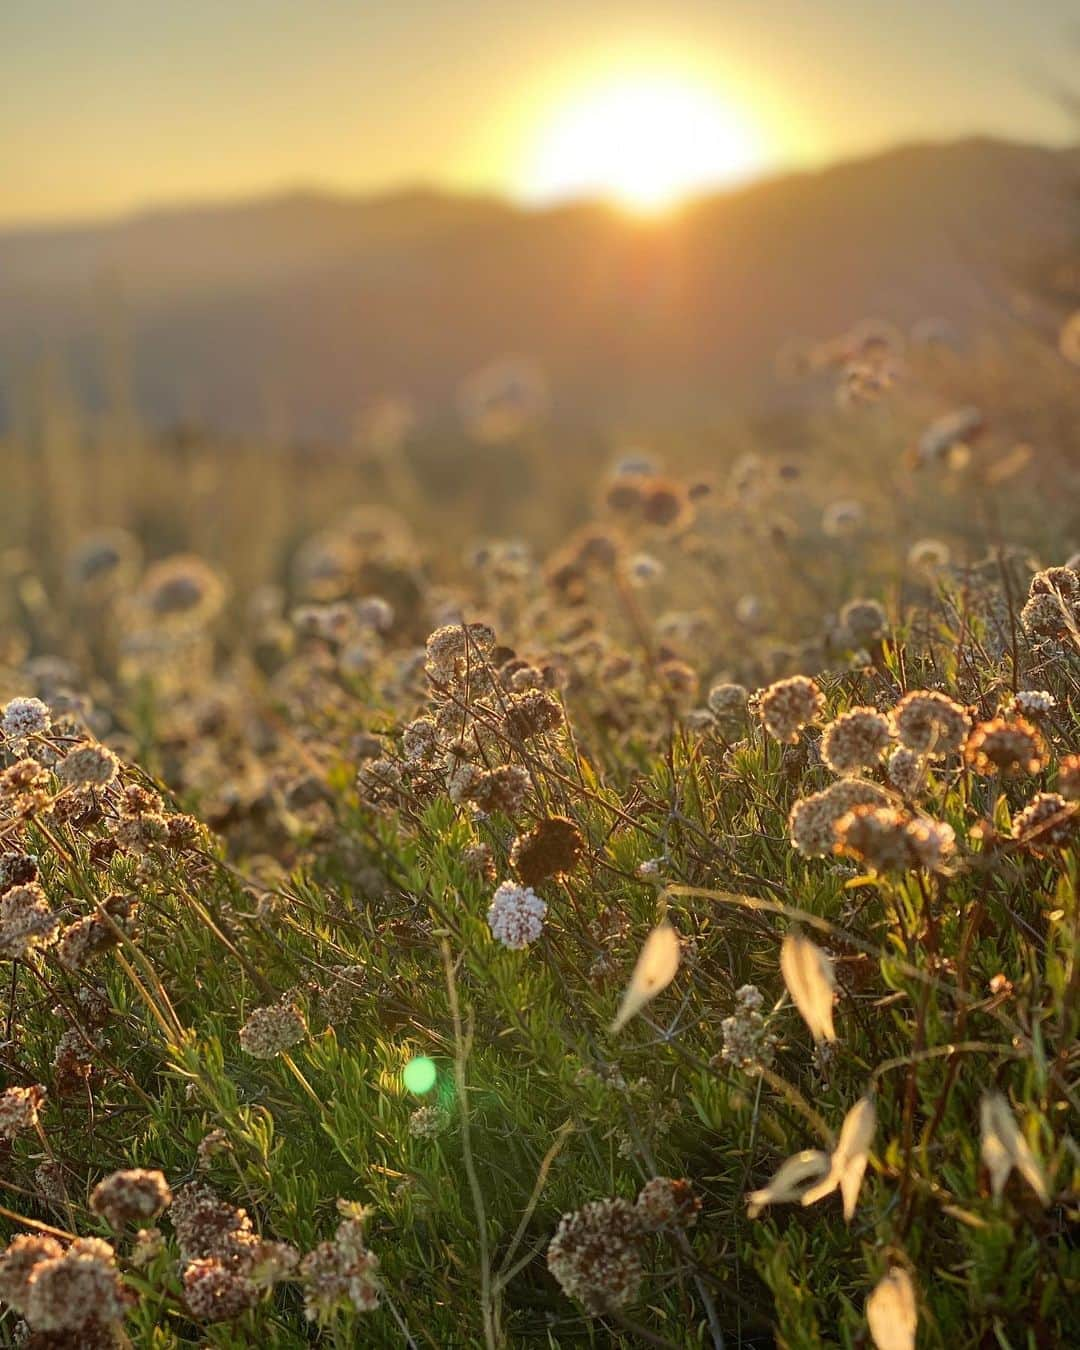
643	142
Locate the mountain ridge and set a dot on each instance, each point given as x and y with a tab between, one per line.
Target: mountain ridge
322	302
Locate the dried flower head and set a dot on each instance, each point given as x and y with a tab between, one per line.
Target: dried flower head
788	706
595	1255
269	1031
856	740
1048	821
863	622
1069	778
516	915
748	1042
88	766
906	771
551	848
727	703
666	1203
812	822
501	789
532	714
135	1195
216	1292
19	1109
79	1289
340	1274
887	840
27	922
24	717
931	723
1008	747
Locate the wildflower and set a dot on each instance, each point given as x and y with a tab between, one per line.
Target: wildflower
946	433
502	789
842	518
680	679
215	1292
551	848
378	780
420	740
80	1288
748	1043
810	980
789	1182
643	569
27	922
182	591
1060	581
426	1122
930	723
847	1164
928	555
1010	748
18	1261
595	1255
665	504
24	717
812	821
88	766
906	771
1046	616
340	1274
269	1031
1069	778
727	703
789	705
17	869
655	969
148	1246
532	714
1004	1148
1048	821
664	1203
21	783
863	621
336	999
479	860
208	1226
1034	702
855	740
19	1109
888	840
210	1146
891	1311
456	648
516	915
131	1196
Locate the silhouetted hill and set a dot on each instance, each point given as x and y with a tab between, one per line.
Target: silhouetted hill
301	309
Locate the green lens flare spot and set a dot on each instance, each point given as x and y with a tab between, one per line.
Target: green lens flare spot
419	1075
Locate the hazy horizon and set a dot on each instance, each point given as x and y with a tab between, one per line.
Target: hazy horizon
298	189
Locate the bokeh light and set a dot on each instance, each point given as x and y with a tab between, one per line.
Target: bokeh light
419	1075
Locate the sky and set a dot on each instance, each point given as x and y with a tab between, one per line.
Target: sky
110	106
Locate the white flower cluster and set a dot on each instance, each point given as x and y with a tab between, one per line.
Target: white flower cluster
516	915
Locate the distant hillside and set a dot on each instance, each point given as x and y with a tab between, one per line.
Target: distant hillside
300	310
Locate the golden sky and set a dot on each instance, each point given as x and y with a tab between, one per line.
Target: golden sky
115	105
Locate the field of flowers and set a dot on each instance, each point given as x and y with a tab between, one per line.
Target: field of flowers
636	908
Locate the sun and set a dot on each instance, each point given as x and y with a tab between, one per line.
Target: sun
644	142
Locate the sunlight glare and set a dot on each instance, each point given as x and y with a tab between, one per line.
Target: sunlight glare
646	143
